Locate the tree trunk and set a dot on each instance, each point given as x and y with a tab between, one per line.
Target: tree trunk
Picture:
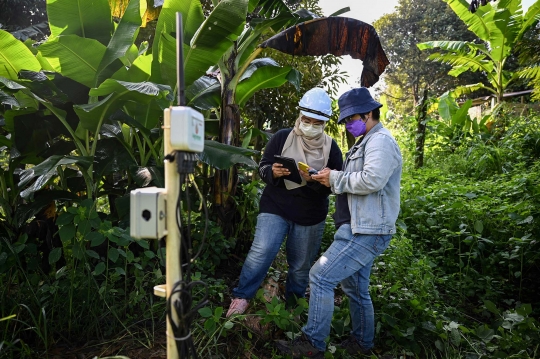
226	181
257	145
421	131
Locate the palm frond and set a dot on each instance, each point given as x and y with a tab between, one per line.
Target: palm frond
468	89
531	72
466	62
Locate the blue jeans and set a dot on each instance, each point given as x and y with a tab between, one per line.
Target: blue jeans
348	260
303	243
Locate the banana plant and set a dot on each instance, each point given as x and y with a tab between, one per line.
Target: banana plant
97	83
222	42
500	25
83	50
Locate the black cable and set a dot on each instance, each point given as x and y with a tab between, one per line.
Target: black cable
205	231
182	167
186	244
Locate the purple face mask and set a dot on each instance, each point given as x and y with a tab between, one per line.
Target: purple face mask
356	128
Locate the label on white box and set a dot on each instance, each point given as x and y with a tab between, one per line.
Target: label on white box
187	128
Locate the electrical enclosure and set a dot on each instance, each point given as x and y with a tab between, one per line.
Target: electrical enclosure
187	128
148	213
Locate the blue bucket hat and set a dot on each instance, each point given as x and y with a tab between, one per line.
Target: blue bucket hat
355	101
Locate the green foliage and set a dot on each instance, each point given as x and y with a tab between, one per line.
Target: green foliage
468	229
407	303
280	106
458	280
80	117
413	22
216	248
529	56
104	270
500	26
277	313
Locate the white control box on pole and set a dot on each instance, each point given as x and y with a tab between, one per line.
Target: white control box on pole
187	128
148	213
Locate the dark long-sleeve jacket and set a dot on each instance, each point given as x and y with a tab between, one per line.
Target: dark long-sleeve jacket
306	205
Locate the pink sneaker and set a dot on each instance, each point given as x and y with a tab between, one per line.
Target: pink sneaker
238	306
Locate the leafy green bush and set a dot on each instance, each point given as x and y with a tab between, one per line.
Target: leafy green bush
407	303
478	233
105	285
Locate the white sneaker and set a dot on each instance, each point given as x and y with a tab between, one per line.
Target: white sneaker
238	306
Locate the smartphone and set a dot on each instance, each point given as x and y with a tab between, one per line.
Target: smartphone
303	166
313	172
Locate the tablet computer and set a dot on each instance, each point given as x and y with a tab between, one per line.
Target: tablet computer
289	164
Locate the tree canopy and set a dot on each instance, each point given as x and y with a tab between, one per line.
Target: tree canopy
413	22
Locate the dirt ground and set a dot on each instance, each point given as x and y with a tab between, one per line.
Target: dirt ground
127	348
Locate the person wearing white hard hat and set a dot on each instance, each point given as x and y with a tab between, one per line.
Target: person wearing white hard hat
289	209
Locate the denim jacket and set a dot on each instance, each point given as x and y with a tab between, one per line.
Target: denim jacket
371	178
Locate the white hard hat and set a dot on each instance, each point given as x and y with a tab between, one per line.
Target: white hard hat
316	104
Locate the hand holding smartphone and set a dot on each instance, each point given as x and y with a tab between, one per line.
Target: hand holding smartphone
304	167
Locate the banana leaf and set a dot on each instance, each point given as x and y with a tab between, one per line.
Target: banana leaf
257	63
75	57
192	18
15	56
337	36
204	93
6	99
148	117
117	93
214	37
43	172
112	156
123	37
12	85
140	91
264	77
85	18
139	70
222	156
34	32
43	87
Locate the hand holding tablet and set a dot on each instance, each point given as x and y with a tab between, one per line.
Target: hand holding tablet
289	164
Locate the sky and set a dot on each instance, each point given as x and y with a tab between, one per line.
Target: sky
367	11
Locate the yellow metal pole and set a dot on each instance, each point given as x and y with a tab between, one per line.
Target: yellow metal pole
173	267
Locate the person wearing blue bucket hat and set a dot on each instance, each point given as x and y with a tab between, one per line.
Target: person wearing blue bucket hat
367	205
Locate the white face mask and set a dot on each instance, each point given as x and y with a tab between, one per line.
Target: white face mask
311	131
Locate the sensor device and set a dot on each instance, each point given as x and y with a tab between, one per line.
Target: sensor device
148	213
187	128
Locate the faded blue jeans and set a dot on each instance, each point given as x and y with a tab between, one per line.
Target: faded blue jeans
348	260
303	243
